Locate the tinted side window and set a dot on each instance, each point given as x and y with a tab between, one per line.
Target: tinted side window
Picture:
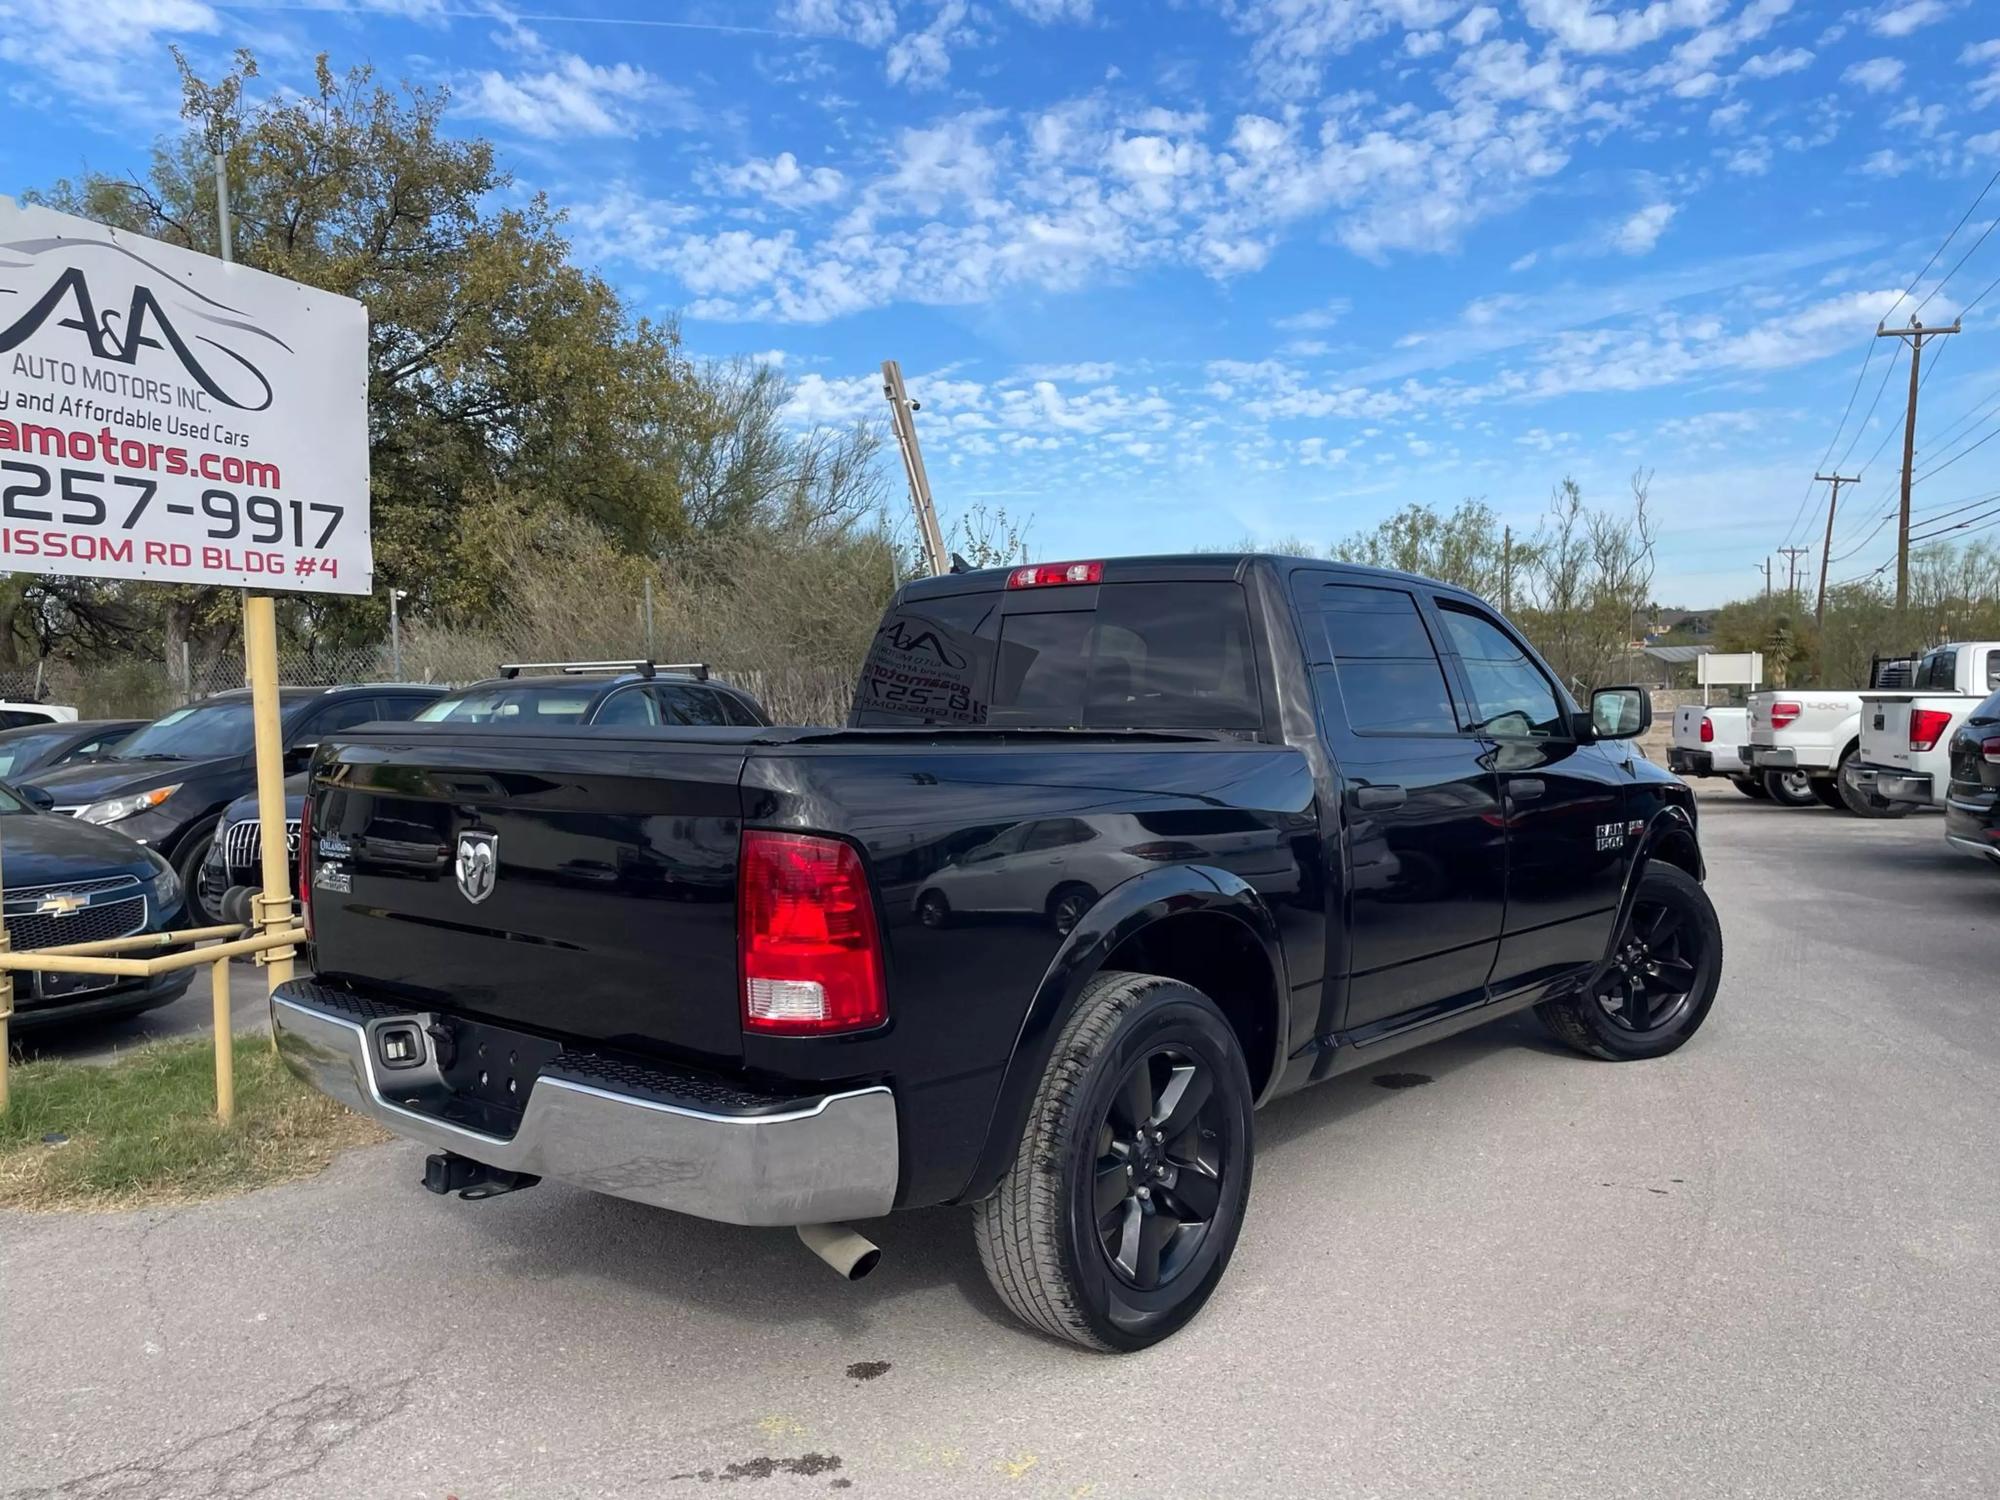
1938	669
694	706
1150	656
628	706
1509	691
1391	681
404	706
338	716
738	712
11	718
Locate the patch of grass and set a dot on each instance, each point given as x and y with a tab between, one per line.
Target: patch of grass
142	1130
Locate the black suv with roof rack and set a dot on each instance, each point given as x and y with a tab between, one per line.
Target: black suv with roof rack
633	693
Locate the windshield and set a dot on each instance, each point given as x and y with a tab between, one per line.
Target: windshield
24	750
9	803
192	733
511	705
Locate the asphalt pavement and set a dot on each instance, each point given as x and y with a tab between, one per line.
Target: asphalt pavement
1766	1266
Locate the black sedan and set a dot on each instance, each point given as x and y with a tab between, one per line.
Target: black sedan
1972	805
68	882
43	747
166	785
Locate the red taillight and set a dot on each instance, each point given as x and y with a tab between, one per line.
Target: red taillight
807	937
306	863
1707	730
1927	727
1044	575
1783	714
1989	751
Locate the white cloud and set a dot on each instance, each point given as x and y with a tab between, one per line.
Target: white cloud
1045	12
1985	91
1878	75
922	59
1902	19
1753	160
1313	319
1582	27
872	23
783	181
577	98
1524	262
1473	26
1885	163
1640	233
1775	63
1729	117
1086	372
108	53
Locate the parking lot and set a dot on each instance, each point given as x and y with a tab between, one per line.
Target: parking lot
1768	1265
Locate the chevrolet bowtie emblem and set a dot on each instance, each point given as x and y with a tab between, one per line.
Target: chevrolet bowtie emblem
61	904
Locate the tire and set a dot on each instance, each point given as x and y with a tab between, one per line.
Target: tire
1751	787
1789	788
188	861
932	909
1075	1273
1860	803
1067	904
1830	795
1636	1007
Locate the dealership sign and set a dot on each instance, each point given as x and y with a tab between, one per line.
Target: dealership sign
169	417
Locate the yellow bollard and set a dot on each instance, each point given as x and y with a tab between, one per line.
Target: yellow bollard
225	1042
260	661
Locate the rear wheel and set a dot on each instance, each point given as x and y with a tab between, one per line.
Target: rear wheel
1751	787
1117	1218
1068	903
1662	977
1789	788
1829	794
1864	804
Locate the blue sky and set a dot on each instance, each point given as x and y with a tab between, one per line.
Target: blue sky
1165	274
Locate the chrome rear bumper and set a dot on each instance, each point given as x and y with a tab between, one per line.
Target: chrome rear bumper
1893	784
827	1159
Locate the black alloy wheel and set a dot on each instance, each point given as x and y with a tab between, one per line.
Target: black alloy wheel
1652	977
1657	984
1163	1150
1116	1219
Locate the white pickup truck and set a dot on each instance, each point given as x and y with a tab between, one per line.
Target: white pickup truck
1707	741
1905	757
1799	743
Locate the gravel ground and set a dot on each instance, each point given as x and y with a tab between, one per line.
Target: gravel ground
1765	1266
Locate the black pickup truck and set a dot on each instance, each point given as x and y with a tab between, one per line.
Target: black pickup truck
1108	855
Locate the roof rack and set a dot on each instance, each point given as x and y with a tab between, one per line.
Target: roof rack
698	670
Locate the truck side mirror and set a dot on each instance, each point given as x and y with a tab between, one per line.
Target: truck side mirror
1620	713
38	799
298	757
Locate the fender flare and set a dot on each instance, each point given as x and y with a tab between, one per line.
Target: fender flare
1670	821
1118	915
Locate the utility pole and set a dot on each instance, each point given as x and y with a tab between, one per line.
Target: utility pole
1826	550
1791	555
1765	568
1917	335
1506	570
901	408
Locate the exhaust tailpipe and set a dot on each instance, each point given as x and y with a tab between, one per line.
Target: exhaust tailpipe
840	1247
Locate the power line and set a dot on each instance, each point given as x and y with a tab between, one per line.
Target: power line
1954	526
1940	513
1947	463
1917	336
1991	225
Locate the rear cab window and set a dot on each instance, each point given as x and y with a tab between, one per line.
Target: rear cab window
1140	655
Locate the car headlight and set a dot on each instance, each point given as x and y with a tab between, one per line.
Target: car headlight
112	809
166	885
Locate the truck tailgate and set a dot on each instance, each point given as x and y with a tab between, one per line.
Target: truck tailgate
610	913
1687	726
1885	729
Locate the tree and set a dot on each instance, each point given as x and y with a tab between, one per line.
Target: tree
1466	546
1589	577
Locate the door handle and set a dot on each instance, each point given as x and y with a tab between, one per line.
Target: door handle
1378	798
1526	788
